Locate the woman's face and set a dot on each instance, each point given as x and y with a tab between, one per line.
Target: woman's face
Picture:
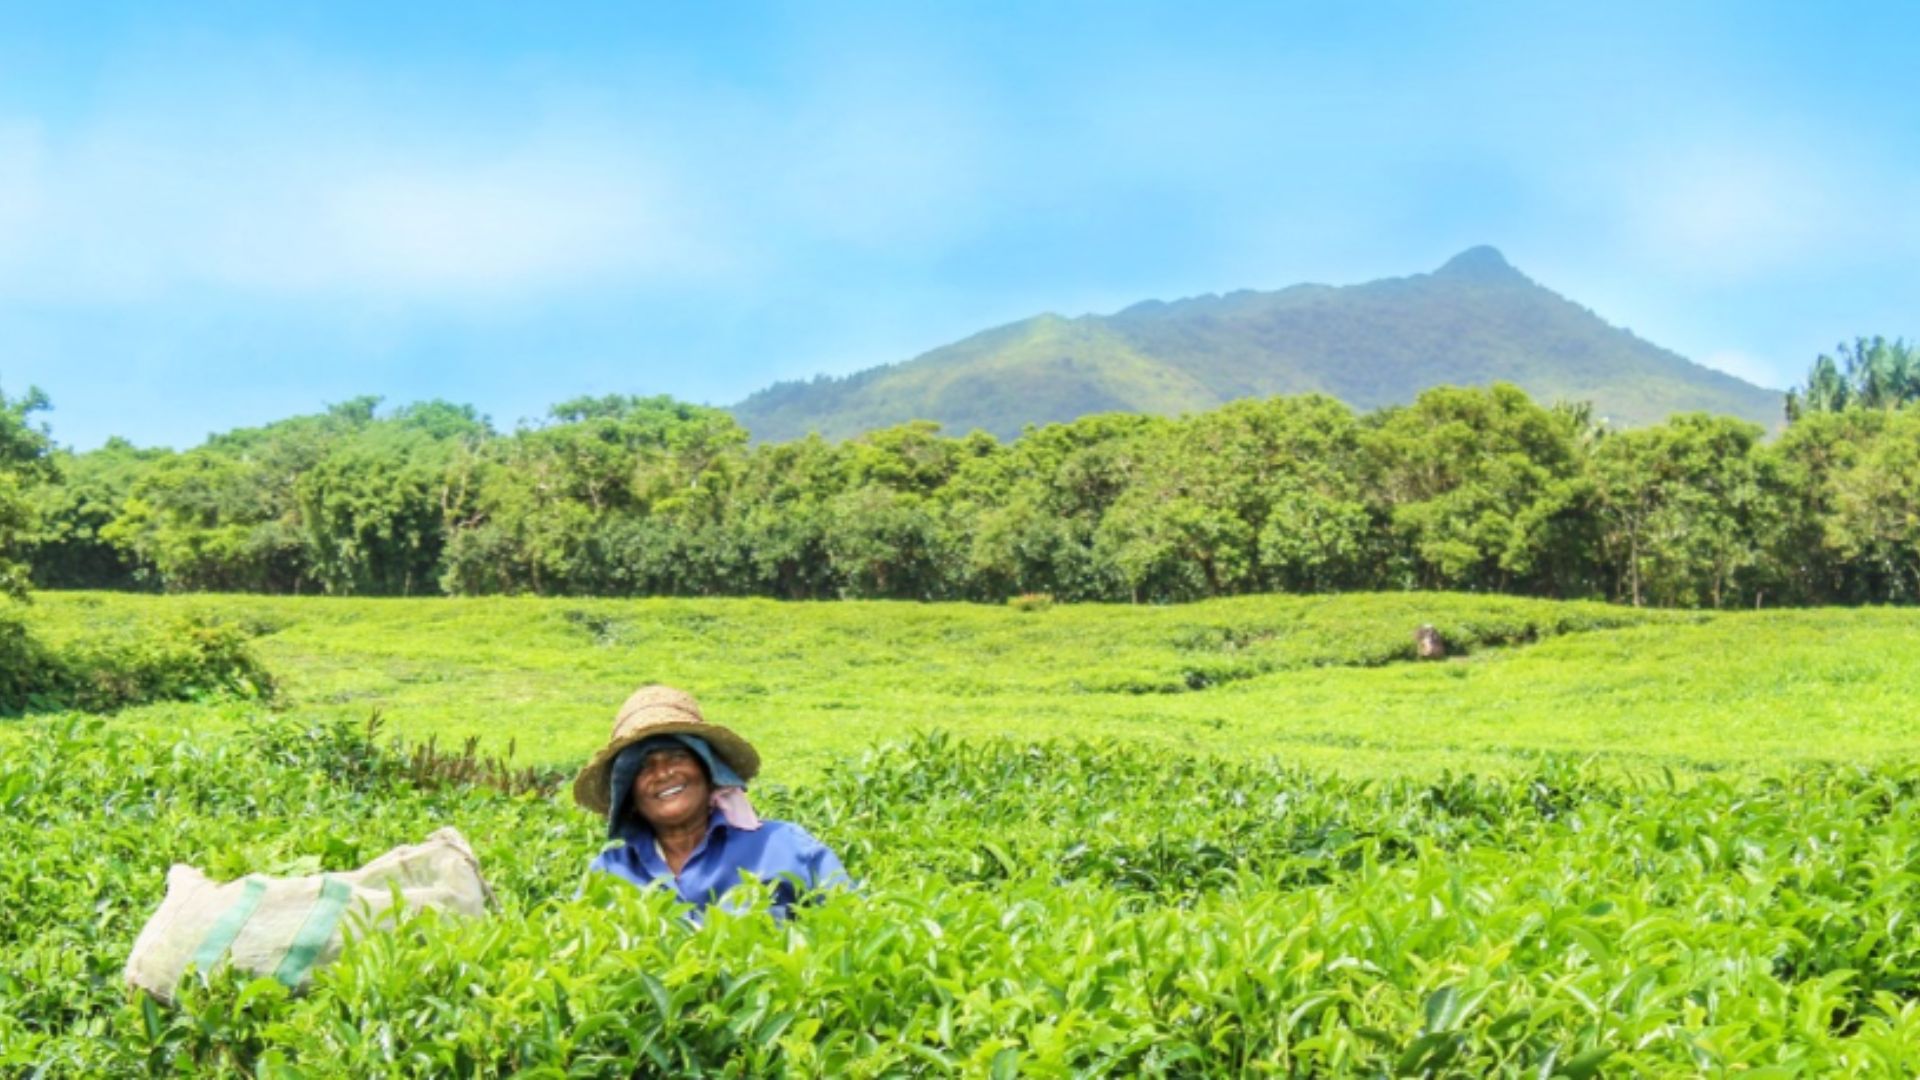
672	790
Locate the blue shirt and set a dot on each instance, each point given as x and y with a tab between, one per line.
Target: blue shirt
780	853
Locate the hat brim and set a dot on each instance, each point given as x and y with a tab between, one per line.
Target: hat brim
591	787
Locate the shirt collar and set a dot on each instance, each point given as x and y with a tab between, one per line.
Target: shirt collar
643	837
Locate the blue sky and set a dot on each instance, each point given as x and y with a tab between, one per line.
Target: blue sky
217	215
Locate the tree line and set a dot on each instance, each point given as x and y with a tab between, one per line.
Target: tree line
1466	488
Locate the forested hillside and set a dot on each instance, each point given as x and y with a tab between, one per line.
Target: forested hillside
1477	489
1473	322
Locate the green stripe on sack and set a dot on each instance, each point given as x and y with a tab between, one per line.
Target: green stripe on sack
228	926
315	932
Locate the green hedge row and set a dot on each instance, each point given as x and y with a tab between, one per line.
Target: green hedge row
1045	910
182	660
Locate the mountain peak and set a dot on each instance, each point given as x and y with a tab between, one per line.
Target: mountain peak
1481	264
1474	321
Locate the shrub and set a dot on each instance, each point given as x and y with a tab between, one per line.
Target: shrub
27	671
184	660
1049	909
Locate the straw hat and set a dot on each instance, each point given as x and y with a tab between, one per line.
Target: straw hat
658	710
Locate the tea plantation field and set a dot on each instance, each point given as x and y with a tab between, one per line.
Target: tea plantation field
1235	838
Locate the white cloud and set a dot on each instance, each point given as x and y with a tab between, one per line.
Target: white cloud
503	226
1754	369
536	220
1728	212
134	205
116	214
269	172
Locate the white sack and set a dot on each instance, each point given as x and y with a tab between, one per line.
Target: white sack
286	927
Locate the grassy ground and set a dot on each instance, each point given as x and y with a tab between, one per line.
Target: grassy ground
1321	681
1065	909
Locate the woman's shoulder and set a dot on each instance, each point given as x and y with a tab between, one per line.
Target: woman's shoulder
786	833
788	846
622	861
774	827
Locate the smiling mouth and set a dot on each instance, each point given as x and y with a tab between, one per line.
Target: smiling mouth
670	792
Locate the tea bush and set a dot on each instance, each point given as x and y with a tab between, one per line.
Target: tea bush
127	663
1319	679
1025	908
26	669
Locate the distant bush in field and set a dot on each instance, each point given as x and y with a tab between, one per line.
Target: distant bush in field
25	666
186	659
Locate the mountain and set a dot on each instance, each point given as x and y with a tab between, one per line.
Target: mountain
1474	321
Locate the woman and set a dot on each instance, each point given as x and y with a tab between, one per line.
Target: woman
674	788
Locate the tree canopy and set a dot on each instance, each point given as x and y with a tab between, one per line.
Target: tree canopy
1466	488
24	465
1870	373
